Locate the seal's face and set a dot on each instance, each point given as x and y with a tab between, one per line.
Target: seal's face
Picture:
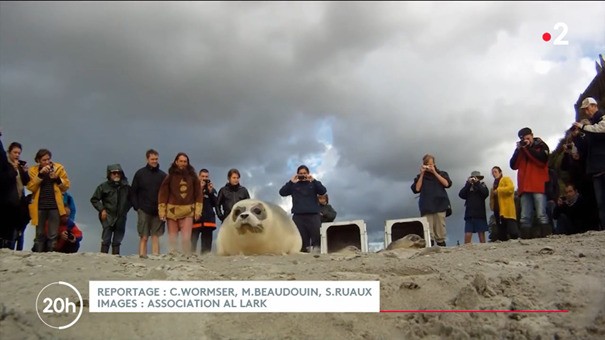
249	218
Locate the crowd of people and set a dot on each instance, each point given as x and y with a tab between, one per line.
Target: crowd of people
561	192
536	208
182	201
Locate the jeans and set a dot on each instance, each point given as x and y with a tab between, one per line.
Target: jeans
599	191
47	238
529	202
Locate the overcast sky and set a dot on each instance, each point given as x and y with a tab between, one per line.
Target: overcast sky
357	91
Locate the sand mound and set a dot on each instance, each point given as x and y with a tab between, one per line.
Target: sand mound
559	272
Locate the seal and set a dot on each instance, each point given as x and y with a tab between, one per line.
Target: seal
256	227
409	241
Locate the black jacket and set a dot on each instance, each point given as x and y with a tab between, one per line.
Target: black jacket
328	214
208	216
8	185
304	195
145	188
8	176
433	197
582	215
227	197
475	195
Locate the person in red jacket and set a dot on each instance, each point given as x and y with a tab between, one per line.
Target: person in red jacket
69	236
530	160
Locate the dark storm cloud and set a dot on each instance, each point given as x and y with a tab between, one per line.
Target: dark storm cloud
250	85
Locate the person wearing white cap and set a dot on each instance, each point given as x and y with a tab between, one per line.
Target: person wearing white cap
591	108
591	145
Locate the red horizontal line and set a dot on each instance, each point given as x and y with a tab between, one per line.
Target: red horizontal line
473	311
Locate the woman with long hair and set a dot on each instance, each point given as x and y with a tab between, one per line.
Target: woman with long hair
180	202
502	203
20	216
48	181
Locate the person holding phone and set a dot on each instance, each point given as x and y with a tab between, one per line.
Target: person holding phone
304	190
206	224
591	141
19	215
575	214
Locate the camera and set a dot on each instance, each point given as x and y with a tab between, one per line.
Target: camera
426	167
208	181
22	163
302	177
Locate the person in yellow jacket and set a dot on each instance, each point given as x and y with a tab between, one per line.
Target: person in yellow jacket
48	181
502	203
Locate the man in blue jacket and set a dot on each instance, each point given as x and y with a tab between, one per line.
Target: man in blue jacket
305	207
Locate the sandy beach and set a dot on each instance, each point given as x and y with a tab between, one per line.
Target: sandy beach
556	273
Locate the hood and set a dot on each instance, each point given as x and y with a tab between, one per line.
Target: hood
116	167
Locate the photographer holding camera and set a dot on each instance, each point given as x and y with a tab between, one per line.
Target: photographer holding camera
48	181
433	202
530	159
575	214
305	206
591	143
206	224
474	193
70	235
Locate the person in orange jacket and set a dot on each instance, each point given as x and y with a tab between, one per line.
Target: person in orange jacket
70	235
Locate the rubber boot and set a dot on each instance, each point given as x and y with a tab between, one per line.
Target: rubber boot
50	245
512	229
545	229
525	233
115	250
104	248
536	231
